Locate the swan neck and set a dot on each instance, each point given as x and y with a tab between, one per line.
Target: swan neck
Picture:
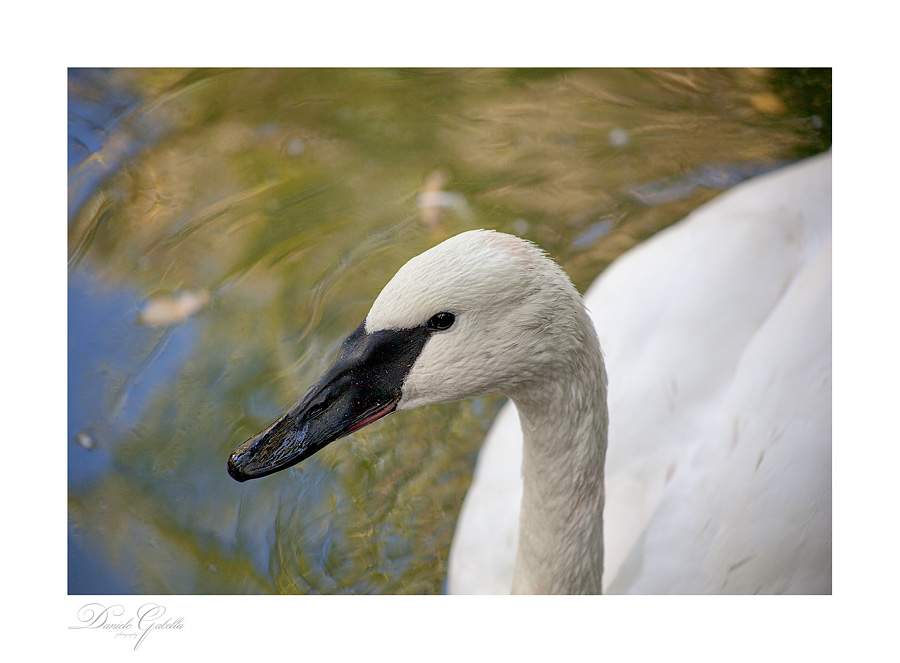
564	424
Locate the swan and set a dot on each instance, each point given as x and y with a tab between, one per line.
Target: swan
724	470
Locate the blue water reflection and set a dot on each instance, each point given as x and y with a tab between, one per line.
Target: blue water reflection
115	367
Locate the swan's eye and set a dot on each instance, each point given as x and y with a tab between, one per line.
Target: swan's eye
441	321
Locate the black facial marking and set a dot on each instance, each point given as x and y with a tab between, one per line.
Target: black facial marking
362	385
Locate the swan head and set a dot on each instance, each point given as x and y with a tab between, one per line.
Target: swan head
482	312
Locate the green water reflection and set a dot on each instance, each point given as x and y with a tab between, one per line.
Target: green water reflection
237	224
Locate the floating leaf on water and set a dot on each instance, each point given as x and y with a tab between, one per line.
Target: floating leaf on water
161	310
433	200
768	103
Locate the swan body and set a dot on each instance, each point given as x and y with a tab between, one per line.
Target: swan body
719	456
717	335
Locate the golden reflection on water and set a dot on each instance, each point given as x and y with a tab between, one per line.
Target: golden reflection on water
263	210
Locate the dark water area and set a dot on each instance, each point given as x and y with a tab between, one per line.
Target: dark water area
228	228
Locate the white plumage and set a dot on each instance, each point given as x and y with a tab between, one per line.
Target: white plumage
717	338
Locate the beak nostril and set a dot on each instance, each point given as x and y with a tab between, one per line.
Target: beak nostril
322	403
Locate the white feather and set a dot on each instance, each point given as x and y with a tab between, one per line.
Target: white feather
717	334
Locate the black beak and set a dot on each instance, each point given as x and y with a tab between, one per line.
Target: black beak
363	385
